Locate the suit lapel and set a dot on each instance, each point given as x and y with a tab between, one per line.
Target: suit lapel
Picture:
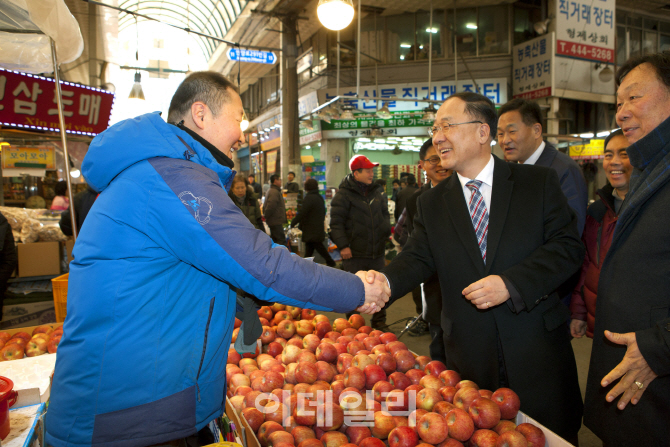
460	218
500	198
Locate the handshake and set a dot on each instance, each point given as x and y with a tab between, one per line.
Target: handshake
377	291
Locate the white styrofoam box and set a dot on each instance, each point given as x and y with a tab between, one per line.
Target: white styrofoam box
552	439
31	377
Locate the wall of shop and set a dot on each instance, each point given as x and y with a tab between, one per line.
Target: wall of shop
389	158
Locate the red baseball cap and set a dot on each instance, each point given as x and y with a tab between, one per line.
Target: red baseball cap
361	162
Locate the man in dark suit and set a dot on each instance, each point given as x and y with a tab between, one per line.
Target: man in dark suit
520	136
405	194
503	323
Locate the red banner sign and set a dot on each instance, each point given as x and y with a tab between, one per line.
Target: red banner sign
29	102
583	51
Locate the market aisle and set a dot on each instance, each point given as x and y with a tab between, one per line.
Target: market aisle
404	307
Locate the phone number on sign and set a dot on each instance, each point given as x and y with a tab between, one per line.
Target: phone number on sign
584	51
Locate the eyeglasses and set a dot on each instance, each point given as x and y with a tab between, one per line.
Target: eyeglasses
445	127
432	160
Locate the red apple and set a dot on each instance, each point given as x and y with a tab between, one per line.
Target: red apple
366	330
373	375
332	335
326	352
403	437
357	433
238	323
324	371
508	402
484	413
503	426
274	349
354	346
276	412
43	329
361	337
387	337
17	341
415	416
350	332
443	408
533	434
24	335
447	393
372	442
384	424
280	439
304	327
306	356
330	417
464	397
430	381
483	438
265	312
466	383
427	398
294	311
512	439
432	428
395	346
271	381
311	443
311	342
396	401
371	342
356	321
319	318
233	357
334	439
302	433
460	425
238	380
387	362
404	360
399	380
296	340
450	377
354	377
422	361
280	316
449	442
308	314
381	389
344	362
256	399
286	329
266	429
435	368
290	354
415	375
323	328
276	307
305	412
341	349
306	372
341	324
36	346
254	417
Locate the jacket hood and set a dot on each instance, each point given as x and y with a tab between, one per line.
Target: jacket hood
138	139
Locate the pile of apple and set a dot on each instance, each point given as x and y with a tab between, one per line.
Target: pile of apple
313	379
44	339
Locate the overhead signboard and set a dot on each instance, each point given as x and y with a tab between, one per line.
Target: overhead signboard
40	157
595	149
533	68
586	29
253	56
29	102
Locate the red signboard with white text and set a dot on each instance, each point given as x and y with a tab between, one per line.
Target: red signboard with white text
29	102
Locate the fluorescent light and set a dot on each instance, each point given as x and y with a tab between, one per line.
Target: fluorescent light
405	45
421	47
307	147
432	30
367	140
380	140
470	26
603	134
254	134
402	58
586	135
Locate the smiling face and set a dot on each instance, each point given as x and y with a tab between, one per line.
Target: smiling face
517	139
434	171
464	148
643	102
223	130
616	164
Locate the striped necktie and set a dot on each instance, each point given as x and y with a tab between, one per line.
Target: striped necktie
479	215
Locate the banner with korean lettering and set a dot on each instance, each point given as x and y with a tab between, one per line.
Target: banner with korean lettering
586	29
533	68
29	102
494	88
40	157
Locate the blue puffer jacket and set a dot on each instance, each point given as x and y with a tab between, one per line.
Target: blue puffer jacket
151	294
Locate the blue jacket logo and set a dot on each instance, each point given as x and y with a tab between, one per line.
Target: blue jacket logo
201	206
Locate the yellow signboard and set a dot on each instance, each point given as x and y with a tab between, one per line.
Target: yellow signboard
271	161
595	149
39	157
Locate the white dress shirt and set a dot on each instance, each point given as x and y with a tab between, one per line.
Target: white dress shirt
533	158
486	177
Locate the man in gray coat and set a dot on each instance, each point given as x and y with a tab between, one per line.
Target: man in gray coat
274	210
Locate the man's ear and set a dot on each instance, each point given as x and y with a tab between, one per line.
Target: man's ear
198	112
537	130
484	133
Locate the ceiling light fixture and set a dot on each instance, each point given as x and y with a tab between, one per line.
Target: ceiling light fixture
335	14
429	113
384	113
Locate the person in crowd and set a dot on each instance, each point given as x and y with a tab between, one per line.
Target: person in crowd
503	322
360	223
258	189
430	301
310	219
8	258
61	202
156	274
520	137
405	194
274	210
396	189
601	219
291	186
243	196
381	182
630	360
83	201
266	188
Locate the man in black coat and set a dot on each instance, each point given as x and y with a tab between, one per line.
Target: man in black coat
631	340
258	189
8	257
360	223
310	219
503	322
274	210
83	201
405	194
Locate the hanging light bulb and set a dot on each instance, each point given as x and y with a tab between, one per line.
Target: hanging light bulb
136	92
346	114
244	124
75	173
429	113
335	14
384	113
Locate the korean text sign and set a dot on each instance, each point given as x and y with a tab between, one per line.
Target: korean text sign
532	68
29	102
585	29
28	157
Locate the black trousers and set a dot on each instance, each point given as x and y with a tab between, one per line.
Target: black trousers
354	265
277	234
418	303
436	348
321	249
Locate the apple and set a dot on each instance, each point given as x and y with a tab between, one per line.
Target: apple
256	399
361	361
311	342
247	361
512	438
460	425
242	390
372	442
286	329
415	375
280	439
276	307
533	434
296	341
354	377
354	346
447	393
24	335
265	312
237	403
332	335
450	377
253	417
396	401
341	324
238	323
326	352
345	340
464	398
427	398
318	318
466	383
256	384
238	380
290	354
357	433
323	328
484	413
361	337
432	428
36	346
371	342
17	341
304	327
305	412
403	437
267	364
486	393
330	417
275	412
430	381
349	332
384	424
404	360
373	375
422	361
266	429
443	407
281	316
294	311
311	443
344	362
233	357
508	402
41	335
387	362
271	381
399	380
324	371
4	336
365	330
435	368
274	349
411	392
306	372
306	356
415	416
449	442
503	426
308	314
248	369
334	439
341	348
396	346
356	321
387	337
380	390
483	438
302	433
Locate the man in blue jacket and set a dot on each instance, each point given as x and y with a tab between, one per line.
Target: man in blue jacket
152	292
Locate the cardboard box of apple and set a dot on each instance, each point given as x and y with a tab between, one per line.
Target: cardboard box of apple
343	384
43	340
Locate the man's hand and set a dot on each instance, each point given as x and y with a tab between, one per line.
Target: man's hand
577	328
377	291
487	292
633	370
346	253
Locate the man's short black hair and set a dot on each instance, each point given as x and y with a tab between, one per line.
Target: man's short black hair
395	182
251	175
381	182
61	188
529	110
659	61
291	173
424	148
616	133
311	184
273	178
481	108
208	87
